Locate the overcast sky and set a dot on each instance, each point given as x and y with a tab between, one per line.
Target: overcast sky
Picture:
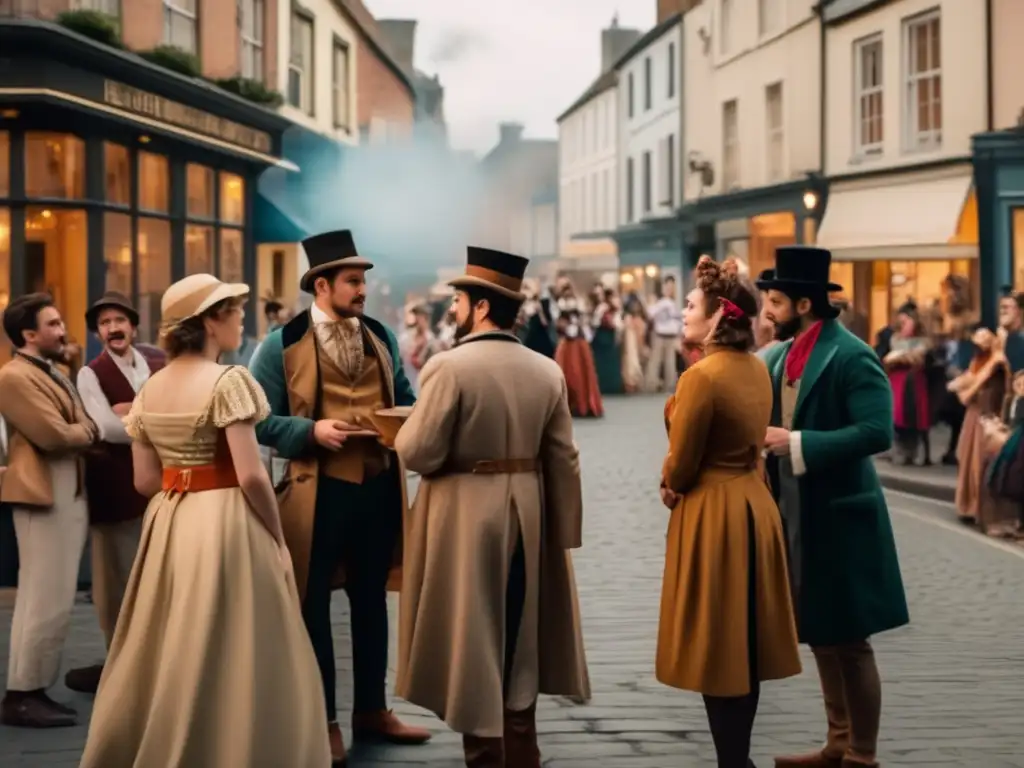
522	61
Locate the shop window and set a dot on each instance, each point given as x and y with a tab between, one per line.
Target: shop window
232	199
56	249
198	249
200	191
1017	243
117	163
154	255
5	277
5	164
117	252
54	165
154	183
231	265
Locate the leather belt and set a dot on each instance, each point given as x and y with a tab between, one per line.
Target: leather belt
492	467
206	477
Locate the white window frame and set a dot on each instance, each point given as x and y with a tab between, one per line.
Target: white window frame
341	90
914	137
172	8
724	26
730	145
865	94
301	68
769	17
775	135
251	30
109	7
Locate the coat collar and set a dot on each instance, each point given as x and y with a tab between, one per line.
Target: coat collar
824	350
489	336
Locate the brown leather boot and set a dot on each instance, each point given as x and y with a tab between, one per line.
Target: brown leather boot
819	759
34	709
482	752
339	758
521	750
384	726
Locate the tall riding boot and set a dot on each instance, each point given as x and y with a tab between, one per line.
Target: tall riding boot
521	750
483	752
863	688
830	673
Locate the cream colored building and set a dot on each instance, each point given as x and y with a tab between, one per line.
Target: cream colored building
751	123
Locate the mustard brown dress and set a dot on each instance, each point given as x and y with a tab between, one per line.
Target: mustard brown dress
725	541
210	665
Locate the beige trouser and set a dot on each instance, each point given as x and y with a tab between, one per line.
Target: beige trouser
50	544
113	553
852	691
661	365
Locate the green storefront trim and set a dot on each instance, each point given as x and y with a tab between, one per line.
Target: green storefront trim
655	241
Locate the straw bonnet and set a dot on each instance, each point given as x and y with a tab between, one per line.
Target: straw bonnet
194	295
328	251
110	300
496	270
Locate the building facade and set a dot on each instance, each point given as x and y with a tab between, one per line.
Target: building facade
906	86
650	142
752	117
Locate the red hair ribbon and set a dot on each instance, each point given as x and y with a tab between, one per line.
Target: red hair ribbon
730	311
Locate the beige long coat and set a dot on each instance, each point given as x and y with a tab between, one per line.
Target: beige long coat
489	398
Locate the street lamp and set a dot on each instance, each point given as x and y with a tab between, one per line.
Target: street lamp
810	200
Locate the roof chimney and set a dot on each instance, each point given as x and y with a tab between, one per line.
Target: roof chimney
400	36
510	133
615	41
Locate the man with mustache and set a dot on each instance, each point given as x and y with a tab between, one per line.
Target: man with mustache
326	373
108	386
49	430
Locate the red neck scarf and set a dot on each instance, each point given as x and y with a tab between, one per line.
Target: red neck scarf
800	353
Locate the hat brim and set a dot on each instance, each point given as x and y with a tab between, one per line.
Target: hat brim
92	314
782	285
466	281
311	274
224	291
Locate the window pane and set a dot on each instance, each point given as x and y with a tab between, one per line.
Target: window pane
5	277
231	269
115	158
154	182
200	191
232	199
117	252
154	254
54	165
56	245
5	164
198	249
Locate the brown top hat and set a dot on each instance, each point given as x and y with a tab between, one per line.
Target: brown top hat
499	271
110	300
329	251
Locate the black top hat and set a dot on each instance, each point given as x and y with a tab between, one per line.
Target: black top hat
328	251
767	275
800	267
496	270
110	300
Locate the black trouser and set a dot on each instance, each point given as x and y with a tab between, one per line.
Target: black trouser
357	525
515	599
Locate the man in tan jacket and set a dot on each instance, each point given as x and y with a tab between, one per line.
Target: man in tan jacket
48	430
489	616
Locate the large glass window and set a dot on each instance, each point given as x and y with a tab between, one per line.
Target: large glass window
198	249
231	267
118	173
154	255
117	252
200	191
5	277
1017	243
54	165
232	199
154	183
5	164
56	259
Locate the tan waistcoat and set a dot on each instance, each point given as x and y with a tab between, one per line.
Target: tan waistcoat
790	392
352	400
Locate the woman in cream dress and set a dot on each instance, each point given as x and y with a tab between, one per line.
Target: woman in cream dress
210	665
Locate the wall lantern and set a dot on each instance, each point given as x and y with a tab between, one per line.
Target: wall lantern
810	200
651	270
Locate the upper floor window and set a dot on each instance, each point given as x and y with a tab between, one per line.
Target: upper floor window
724	26
730	145
300	64
340	85
775	132
868	104
667	171
109	7
648	171
180	25
630	191
769	16
922	43
630	94
671	70
648	85
251	38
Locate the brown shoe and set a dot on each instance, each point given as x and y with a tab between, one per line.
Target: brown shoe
383	726
339	759
819	759
521	748
35	710
483	753
84	679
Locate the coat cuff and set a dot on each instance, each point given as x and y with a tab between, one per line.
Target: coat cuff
796	454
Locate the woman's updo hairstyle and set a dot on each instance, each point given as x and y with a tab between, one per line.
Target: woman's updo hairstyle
721	282
189	336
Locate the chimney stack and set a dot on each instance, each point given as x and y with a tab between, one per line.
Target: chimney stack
615	41
510	133
400	36
669	8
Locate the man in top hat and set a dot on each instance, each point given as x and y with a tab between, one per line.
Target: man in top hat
108	386
833	412
489	615
343	499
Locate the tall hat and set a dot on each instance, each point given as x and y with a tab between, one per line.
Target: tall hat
499	271
800	267
110	300
193	295
328	251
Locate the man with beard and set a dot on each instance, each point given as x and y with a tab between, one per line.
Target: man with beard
1011	325
833	411
342	502
489	616
108	386
49	430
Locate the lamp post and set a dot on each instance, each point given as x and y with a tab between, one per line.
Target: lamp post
810	220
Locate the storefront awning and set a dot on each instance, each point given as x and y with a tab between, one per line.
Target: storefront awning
272	225
912	220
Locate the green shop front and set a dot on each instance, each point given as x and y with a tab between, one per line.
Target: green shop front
648	252
118	174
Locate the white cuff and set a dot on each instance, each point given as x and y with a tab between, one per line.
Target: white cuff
796	454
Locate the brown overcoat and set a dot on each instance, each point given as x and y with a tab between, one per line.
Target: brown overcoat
489	399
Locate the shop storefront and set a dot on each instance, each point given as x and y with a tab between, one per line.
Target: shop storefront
897	236
585	261
116	174
648	253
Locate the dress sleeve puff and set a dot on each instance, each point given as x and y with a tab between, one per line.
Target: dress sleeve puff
133	421
238	397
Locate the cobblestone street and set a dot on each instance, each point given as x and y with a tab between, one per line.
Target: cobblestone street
953	680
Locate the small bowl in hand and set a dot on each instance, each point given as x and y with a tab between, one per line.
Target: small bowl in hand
389	420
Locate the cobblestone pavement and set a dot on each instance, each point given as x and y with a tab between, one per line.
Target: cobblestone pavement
954	679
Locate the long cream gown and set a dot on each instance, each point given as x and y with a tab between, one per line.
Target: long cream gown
210	665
